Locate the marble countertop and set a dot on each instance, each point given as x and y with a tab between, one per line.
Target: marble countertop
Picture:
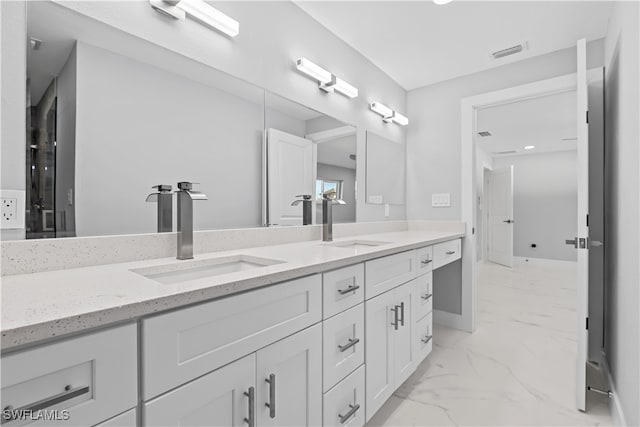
40	306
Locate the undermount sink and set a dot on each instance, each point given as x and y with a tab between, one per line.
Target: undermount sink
357	244
192	270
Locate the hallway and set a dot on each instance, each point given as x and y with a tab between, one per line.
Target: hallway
517	369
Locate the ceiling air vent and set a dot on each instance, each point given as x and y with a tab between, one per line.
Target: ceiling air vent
509	51
499	153
484	133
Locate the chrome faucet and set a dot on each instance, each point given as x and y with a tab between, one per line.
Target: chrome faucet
164	199
307	204
186	196
328	199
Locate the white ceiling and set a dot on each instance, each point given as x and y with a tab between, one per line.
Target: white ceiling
418	43
543	122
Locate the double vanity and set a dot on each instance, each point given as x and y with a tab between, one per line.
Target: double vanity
305	333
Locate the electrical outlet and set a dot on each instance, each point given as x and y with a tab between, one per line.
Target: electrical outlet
12	209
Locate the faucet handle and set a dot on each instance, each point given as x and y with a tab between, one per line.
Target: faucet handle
305	196
186	185
163	188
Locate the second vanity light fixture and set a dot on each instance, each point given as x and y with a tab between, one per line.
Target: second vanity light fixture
327	81
200	11
388	115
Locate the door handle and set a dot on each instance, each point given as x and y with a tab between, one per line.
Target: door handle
427	338
272	395
347	346
425	297
352	410
509	221
251	419
450	252
426	261
395	317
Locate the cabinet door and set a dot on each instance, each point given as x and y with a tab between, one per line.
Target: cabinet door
289	381
404	362
379	314
216	399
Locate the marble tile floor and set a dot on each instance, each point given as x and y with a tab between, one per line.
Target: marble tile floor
518	369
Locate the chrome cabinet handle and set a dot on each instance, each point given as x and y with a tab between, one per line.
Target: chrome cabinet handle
395	317
351	288
251	419
427	338
426	261
352	410
425	297
402	313
10	414
347	346
272	395
451	252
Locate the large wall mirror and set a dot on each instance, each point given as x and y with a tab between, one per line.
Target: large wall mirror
109	116
307	154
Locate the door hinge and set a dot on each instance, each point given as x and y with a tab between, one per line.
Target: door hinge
473	230
587	116
587	325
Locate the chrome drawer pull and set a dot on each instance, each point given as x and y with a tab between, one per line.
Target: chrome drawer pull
272	395
427	338
353	409
426	296
351	288
251	419
351	343
11	414
402	313
395	317
426	261
451	252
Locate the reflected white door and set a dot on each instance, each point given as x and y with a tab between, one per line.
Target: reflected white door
582	237
291	171
500	197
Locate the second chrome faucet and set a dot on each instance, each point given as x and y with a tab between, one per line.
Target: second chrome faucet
186	196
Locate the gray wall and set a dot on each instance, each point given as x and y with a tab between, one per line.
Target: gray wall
622	211
545	197
14	107
433	138
341	213
176	130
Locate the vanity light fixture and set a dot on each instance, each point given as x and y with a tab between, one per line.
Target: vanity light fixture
327	82
388	115
529	147
441	2
200	11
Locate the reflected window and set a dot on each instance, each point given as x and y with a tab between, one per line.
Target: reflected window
324	185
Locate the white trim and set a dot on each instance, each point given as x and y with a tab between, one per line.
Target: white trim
615	407
469	107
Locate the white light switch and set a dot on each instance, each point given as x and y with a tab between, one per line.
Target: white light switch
12	211
441	200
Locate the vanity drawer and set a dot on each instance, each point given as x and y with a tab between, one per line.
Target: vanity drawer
423	337
128	419
99	368
342	289
345	398
185	344
423	295
424	260
343	345
446	252
386	273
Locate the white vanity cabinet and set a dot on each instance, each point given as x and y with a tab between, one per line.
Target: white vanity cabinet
389	341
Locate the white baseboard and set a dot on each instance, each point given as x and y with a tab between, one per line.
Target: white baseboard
617	415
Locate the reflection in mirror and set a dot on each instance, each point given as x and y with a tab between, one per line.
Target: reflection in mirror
385	173
110	115
307	154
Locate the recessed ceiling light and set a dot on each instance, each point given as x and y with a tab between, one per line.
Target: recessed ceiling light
529	147
441	2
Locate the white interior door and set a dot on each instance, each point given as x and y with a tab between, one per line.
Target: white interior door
500	233
581	240
291	171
